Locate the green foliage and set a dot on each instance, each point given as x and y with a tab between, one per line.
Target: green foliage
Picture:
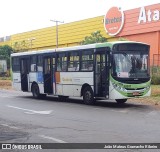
155	75
123	39
155	79
21	46
95	37
5	78
5	53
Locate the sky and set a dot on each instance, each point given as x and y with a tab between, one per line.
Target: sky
18	16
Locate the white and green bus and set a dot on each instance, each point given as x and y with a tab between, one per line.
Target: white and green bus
112	70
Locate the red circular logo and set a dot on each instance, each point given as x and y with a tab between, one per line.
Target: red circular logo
113	21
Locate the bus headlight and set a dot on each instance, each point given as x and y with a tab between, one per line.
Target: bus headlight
147	88
117	87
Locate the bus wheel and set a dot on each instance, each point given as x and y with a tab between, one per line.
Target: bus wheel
88	96
35	91
121	101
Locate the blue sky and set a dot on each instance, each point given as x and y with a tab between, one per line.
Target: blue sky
25	15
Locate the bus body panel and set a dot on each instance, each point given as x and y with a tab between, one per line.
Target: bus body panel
16	81
114	94
136	90
70	83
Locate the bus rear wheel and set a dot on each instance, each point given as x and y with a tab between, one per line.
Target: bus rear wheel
36	93
121	101
88	97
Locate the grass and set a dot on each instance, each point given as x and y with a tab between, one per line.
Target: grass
155	95
154	99
5	78
155	90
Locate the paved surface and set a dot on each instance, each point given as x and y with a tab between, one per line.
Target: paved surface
26	120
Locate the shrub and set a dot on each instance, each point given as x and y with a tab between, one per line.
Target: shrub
155	79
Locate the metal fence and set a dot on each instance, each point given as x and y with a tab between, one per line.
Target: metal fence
155	68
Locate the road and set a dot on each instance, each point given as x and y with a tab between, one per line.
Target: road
27	120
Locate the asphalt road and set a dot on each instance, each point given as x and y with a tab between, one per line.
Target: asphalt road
26	120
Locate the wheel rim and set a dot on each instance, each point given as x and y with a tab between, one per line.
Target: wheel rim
88	96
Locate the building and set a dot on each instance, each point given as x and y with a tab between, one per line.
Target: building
70	34
143	24
140	24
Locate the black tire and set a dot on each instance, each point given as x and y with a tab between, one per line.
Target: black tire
121	101
88	97
35	91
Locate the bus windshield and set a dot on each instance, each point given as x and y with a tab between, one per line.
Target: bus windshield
128	64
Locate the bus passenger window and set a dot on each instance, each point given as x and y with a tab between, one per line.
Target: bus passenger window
33	63
53	62
39	64
73	63
62	62
87	61
47	66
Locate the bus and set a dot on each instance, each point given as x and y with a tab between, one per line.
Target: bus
109	71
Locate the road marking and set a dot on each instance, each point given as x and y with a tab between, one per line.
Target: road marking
51	138
28	111
152	113
12	127
121	111
3	96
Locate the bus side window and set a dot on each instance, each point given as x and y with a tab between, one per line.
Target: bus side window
59	64
73	63
54	63
47	64
62	62
87	60
33	63
39	63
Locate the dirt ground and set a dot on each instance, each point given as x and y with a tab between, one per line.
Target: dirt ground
5	84
153	100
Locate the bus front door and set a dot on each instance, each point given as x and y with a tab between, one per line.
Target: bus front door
47	75
24	70
101	76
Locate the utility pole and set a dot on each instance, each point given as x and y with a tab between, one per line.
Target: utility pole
31	41
57	30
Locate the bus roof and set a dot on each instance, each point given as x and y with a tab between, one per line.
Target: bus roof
74	48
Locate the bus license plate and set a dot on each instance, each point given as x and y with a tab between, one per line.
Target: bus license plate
136	93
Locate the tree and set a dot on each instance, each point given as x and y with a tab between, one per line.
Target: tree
123	39
5	53
21	46
95	37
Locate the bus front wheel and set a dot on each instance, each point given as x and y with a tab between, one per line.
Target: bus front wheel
121	101
88	97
